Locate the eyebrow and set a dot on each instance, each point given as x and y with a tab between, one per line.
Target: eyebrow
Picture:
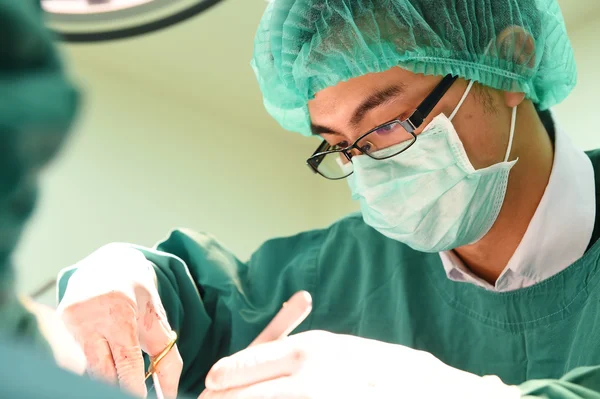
375	100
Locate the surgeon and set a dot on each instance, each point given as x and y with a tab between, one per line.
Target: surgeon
473	268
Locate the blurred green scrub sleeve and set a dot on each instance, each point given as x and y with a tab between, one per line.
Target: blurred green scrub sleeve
37	107
543	338
25	374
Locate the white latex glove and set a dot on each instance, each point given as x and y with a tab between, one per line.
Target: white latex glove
321	365
112	308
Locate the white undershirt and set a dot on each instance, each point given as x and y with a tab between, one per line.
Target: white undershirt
559	232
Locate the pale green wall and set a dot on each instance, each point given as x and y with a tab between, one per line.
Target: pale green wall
578	114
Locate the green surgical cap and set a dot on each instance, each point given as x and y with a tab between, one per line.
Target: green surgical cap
304	46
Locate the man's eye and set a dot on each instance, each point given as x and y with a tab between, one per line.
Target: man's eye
387	129
340	145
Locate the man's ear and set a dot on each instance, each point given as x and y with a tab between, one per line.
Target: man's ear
514	44
513	99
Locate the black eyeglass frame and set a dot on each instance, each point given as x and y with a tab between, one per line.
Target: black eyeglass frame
410	124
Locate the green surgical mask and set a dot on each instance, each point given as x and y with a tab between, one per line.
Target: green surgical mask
431	197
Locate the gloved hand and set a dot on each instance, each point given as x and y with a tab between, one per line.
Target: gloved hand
112	308
321	365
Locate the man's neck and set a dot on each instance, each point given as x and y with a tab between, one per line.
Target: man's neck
527	182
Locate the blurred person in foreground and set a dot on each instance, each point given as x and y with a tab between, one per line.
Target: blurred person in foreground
38	103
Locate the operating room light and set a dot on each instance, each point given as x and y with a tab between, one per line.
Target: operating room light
103	20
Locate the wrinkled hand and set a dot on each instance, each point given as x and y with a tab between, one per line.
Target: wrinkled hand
321	365
112	308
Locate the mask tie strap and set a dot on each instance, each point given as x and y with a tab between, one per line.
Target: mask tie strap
513	124
462	100
513	121
470	86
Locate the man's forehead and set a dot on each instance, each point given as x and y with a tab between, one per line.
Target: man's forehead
352	91
343	100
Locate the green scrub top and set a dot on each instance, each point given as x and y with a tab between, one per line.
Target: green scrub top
27	374
543	338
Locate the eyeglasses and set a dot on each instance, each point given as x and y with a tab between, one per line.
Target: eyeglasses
383	142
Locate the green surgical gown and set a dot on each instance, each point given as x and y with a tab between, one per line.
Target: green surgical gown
27	374
543	338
